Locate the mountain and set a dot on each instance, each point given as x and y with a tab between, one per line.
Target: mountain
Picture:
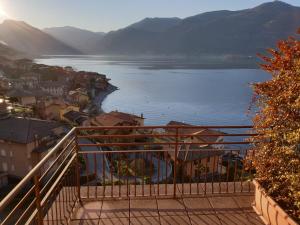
9	53
25	38
156	24
243	32
83	40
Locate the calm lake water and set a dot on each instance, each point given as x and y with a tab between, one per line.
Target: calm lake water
200	97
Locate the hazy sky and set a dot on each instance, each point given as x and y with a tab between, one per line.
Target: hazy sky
106	15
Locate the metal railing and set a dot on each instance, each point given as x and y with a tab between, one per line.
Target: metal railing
92	163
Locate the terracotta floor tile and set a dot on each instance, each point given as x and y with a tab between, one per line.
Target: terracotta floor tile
244	202
146	207
210	219
254	219
198	206
88	210
175	220
115	209
224	204
168	207
234	219
114	221
84	222
144	220
219	208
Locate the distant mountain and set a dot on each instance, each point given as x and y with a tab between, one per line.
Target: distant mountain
156	24
83	40
25	38
243	32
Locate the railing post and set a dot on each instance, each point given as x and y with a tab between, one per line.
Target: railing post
77	166
38	199
175	164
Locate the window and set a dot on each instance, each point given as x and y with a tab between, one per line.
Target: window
4	166
28	155
3	152
12	167
11	154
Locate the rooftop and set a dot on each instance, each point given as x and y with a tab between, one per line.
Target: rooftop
114	118
24	130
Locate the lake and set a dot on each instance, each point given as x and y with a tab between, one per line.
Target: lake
196	96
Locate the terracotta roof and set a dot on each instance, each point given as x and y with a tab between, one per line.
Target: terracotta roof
77	117
114	118
195	131
52	84
124	116
26	93
106	120
210	132
197	153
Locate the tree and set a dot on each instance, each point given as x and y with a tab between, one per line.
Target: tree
277	121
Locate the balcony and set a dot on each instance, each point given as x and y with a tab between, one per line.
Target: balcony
140	175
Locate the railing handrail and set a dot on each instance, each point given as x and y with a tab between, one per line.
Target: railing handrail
163	126
75	152
5	201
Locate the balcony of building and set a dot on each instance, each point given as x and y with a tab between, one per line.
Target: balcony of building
140	175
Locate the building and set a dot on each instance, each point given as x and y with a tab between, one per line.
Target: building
24	142
200	152
24	64
53	88
22	96
3	180
198	162
27	81
79	96
75	117
4	84
54	109
116	118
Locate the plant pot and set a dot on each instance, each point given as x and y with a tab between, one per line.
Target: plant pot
268	209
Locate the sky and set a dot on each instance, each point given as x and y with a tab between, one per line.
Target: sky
107	15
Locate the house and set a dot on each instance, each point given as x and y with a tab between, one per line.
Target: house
54	109
24	64
24	142
54	88
200	148
27	81
197	134
199	162
75	117
22	96
3	179
79	96
116	118
4	83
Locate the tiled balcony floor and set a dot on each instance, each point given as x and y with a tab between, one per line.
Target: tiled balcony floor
226	209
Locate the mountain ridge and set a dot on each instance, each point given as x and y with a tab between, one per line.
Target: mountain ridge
28	39
81	39
242	32
224	32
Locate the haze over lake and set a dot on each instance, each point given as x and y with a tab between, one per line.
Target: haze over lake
197	96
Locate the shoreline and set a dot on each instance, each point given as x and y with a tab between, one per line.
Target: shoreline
101	96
